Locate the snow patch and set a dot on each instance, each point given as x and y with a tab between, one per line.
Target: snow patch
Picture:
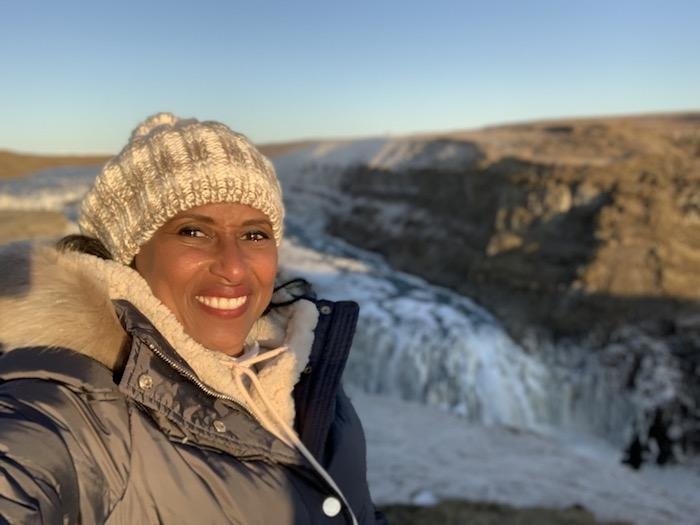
57	189
390	154
416	454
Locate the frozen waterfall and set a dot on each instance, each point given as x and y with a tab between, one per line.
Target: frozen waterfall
424	343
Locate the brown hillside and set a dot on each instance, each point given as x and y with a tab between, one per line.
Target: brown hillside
14	164
20	164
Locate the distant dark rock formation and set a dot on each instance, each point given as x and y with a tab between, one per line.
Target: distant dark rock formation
585	240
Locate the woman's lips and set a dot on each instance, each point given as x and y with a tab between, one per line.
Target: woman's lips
222	303
223	306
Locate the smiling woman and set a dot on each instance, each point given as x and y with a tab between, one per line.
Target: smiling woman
214	267
154	374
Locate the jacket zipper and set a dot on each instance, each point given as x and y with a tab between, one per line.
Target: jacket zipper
194	379
188	375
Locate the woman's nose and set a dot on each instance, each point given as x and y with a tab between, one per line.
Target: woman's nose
229	261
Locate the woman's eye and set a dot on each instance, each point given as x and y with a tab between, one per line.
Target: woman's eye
190	231
256	235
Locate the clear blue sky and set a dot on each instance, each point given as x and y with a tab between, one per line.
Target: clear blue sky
78	76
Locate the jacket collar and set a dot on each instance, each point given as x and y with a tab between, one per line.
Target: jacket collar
185	408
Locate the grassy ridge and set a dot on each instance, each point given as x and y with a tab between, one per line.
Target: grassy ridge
14	164
19	164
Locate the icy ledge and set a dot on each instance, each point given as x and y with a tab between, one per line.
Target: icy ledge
417	454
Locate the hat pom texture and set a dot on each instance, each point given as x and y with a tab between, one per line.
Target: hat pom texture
152	122
171	165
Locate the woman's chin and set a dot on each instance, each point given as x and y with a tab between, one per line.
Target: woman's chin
221	335
226	345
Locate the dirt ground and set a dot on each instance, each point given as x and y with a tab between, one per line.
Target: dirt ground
474	513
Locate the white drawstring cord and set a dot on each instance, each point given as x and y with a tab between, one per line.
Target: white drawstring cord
240	369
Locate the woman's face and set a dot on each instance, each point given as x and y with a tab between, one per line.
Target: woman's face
214	267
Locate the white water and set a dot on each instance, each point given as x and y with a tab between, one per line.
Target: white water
59	189
423	343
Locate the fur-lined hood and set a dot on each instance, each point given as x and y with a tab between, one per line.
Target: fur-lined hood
50	298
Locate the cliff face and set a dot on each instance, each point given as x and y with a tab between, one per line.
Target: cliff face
578	235
569	225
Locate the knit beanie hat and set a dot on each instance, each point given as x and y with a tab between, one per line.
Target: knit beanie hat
171	165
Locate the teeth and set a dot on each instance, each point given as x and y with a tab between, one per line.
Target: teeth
222	303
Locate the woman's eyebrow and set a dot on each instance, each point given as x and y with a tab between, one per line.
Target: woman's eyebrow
203	218
251	222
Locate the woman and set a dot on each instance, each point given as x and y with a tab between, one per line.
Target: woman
150	374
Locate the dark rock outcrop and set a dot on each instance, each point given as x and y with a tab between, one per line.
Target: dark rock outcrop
568	242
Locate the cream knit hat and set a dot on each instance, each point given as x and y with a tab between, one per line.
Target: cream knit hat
170	165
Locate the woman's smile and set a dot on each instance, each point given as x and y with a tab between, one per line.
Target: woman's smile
224	304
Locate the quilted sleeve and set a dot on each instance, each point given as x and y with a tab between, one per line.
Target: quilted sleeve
64	453
38	480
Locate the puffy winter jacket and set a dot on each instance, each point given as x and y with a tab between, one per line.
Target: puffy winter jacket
119	428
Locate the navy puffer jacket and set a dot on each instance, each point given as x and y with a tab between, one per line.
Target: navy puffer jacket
103	421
